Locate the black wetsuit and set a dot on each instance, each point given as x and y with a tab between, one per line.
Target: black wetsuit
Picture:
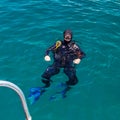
63	58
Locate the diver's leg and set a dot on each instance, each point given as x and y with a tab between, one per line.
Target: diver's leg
71	73
35	93
50	71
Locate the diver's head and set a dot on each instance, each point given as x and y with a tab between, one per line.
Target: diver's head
67	34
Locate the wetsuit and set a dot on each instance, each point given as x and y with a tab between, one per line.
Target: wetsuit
63	58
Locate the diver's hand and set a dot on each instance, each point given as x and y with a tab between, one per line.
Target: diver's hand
47	58
76	61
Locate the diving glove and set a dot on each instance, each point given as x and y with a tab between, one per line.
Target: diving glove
47	58
76	61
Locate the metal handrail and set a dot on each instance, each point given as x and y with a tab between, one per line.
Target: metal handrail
21	95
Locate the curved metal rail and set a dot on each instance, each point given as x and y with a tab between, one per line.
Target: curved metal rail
21	95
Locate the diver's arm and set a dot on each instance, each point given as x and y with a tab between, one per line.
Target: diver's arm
79	53
47	57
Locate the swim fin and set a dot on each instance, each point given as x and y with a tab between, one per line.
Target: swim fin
59	94
35	94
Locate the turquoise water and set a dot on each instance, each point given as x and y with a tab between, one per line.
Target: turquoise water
28	28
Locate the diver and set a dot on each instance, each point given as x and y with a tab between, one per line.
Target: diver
65	54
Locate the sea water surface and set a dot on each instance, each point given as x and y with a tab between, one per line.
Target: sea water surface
29	27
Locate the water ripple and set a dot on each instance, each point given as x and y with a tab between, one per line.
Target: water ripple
28	28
